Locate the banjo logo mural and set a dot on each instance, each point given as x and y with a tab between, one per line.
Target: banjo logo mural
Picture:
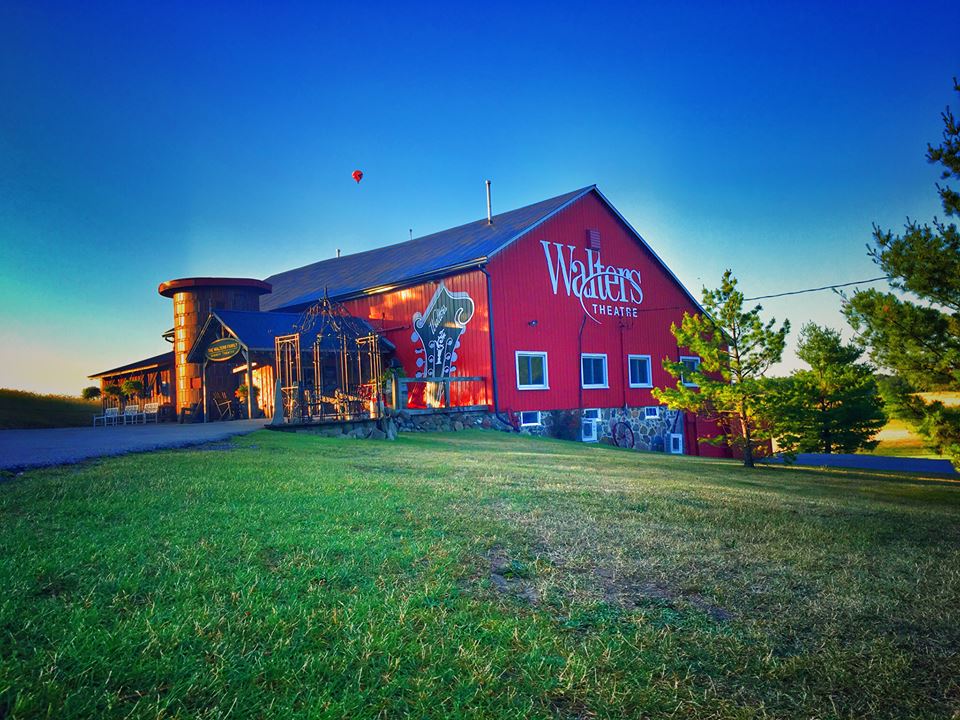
438	329
601	289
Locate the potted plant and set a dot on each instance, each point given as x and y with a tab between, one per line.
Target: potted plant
131	388
243	391
113	392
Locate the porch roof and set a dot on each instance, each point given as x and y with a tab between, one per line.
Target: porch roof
150	363
258	330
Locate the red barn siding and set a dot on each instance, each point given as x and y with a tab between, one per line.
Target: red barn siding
392	313
528	315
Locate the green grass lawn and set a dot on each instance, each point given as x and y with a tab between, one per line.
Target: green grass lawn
473	575
21	409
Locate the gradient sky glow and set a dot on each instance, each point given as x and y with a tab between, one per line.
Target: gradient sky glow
143	142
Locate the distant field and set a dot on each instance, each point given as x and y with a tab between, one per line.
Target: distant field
20	409
898	439
947	398
474	575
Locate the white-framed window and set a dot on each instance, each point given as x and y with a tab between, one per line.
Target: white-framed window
640	370
676	444
532	370
589	420
593	370
530	418
652	412
692	363
588	430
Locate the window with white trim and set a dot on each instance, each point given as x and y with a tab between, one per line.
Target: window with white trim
589	420
692	364
593	371
640	371
652	412
676	443
531	370
530	418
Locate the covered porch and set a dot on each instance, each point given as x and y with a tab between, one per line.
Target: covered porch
323	374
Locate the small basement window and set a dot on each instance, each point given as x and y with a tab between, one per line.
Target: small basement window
676	444
531	370
588	430
593	370
651	413
640	376
591	414
692	364
530	418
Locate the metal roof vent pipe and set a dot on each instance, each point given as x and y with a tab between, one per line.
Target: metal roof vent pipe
338	252
489	207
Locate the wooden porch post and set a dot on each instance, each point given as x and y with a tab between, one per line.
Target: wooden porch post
246	353
203	388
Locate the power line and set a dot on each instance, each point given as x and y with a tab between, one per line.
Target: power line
817	289
775	295
767	297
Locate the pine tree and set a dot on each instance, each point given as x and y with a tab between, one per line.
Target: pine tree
835	406
914	331
735	348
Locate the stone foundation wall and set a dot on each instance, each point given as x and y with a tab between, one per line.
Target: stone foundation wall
395	422
648	433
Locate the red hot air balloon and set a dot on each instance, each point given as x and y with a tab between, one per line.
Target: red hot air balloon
358	175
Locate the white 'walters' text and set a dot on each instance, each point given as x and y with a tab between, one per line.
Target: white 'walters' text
590	279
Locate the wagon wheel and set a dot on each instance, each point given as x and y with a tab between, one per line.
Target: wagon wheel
623	435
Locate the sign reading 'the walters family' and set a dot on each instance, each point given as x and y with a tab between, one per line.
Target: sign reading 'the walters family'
602	290
438	329
223	349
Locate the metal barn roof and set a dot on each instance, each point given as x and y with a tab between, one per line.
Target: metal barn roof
146	364
421	258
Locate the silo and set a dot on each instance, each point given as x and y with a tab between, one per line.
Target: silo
193	301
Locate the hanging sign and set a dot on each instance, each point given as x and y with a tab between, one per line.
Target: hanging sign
223	349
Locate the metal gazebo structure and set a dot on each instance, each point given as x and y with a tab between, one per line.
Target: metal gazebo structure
343	377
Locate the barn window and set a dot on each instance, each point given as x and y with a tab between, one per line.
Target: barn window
652	412
640	371
691	364
593	370
676	443
531	370
530	418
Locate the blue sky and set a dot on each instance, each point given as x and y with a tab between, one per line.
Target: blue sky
142	142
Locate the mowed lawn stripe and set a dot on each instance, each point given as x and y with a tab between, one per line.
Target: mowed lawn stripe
473	575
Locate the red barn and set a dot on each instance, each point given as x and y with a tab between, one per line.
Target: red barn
559	311
559	306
